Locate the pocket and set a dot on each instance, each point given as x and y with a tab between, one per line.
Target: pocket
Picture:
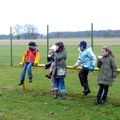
61	71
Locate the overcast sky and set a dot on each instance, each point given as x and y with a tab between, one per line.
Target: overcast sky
60	15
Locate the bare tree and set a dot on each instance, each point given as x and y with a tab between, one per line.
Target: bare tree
31	32
17	29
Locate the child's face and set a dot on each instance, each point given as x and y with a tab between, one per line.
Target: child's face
104	52
57	47
32	47
81	48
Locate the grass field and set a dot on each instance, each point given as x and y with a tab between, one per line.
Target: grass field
67	41
36	101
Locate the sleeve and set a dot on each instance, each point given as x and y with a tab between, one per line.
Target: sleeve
37	58
23	58
93	58
114	68
61	56
78	62
99	64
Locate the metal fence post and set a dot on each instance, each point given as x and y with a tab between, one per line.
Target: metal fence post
47	39
11	46
92	35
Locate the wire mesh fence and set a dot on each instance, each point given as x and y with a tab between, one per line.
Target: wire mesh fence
19	46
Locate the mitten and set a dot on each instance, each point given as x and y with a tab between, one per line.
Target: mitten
91	68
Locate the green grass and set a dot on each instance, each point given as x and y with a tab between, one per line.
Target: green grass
37	103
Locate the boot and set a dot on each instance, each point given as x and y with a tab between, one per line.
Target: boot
30	80
103	100
21	83
55	94
86	90
98	100
63	96
49	75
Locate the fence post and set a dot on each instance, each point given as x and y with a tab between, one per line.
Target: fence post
11	45
92	35
47	39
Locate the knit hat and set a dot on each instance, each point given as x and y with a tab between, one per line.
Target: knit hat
53	47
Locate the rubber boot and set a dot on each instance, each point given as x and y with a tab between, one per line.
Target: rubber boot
86	90
98	101
21	83
55	94
30	80
63	96
103	100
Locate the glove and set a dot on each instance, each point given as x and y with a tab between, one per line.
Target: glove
91	68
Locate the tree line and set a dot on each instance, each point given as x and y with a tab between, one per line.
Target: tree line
29	31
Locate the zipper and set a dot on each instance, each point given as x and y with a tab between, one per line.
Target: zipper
103	66
29	56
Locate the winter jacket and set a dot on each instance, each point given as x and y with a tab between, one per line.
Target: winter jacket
86	58
31	56
108	70
59	69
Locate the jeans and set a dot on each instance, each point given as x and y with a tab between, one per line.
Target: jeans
57	82
27	66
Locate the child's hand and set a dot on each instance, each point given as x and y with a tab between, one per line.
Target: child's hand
91	68
35	64
114	79
52	51
99	59
74	66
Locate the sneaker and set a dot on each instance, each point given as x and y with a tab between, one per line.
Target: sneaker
30	80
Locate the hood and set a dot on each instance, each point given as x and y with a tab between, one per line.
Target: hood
88	48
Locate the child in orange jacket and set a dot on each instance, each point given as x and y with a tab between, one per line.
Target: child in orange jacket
31	57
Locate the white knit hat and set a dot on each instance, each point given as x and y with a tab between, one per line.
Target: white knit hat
53	47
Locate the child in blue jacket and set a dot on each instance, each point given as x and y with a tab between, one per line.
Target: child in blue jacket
87	60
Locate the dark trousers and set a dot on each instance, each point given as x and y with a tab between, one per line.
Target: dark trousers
105	88
83	76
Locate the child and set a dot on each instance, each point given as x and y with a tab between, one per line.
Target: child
59	69
87	60
31	57
51	62
107	74
50	59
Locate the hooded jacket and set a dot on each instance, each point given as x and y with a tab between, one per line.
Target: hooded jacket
59	69
31	56
108	70
86	58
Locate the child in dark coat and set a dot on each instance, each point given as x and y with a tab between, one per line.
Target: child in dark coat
107	74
